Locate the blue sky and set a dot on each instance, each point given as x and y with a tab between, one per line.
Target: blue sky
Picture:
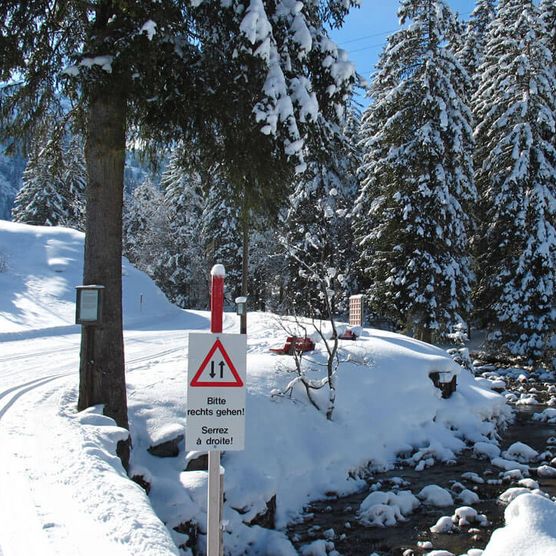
366	29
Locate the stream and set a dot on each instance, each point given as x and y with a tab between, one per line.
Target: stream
335	519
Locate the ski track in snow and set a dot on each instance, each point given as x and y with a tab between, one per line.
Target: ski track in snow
15	391
31	393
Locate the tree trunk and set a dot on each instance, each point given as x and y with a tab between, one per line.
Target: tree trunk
424	333
102	367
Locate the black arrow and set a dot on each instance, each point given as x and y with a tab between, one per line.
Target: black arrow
212	373
222	365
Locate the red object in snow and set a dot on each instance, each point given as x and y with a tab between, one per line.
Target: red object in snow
349	334
295	344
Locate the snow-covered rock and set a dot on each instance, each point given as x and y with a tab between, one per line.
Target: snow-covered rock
528	483
546	471
512	493
443	525
485	450
434	495
521	452
385	509
473	477
468	497
546	416
466	515
530	528
508	465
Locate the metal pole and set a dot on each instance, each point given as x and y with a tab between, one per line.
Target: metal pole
215	480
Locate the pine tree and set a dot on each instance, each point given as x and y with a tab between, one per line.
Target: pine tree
147	229
53	186
184	273
11	170
471	53
516	174
318	239
548	18
221	233
267	267
75	182
417	178
38	202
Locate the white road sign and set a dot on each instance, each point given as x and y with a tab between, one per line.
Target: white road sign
216	392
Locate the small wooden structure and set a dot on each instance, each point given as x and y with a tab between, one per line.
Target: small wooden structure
356	310
445	381
295	344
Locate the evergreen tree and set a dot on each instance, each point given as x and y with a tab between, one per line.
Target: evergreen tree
548	18
53	186
147	230
184	273
456	34
74	176
413	217
318	240
11	170
221	233
38	202
516	175
471	53
267	267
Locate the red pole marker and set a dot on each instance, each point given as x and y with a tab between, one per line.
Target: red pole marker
215	478
217	298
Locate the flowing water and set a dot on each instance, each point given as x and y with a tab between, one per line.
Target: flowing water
352	538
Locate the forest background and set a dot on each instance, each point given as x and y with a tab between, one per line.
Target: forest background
435	196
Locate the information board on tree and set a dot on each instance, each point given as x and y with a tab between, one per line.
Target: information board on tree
216	392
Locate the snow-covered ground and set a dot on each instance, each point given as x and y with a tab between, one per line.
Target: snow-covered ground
64	492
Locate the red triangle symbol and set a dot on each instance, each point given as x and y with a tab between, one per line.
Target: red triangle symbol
212	381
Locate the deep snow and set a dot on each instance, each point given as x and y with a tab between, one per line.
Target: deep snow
68	492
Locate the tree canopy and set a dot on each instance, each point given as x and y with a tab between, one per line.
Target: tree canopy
240	82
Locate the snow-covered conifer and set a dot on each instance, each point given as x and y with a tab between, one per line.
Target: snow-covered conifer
413	218
548	18
74	179
472	52
147	236
267	267
516	176
53	186
11	170
318	240
38	202
185	275
221	233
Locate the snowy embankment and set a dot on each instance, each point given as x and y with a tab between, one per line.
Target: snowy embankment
59	466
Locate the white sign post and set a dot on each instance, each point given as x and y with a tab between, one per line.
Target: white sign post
216	392
216	412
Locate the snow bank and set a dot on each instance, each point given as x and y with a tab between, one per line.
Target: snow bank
530	528
386	404
44	264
